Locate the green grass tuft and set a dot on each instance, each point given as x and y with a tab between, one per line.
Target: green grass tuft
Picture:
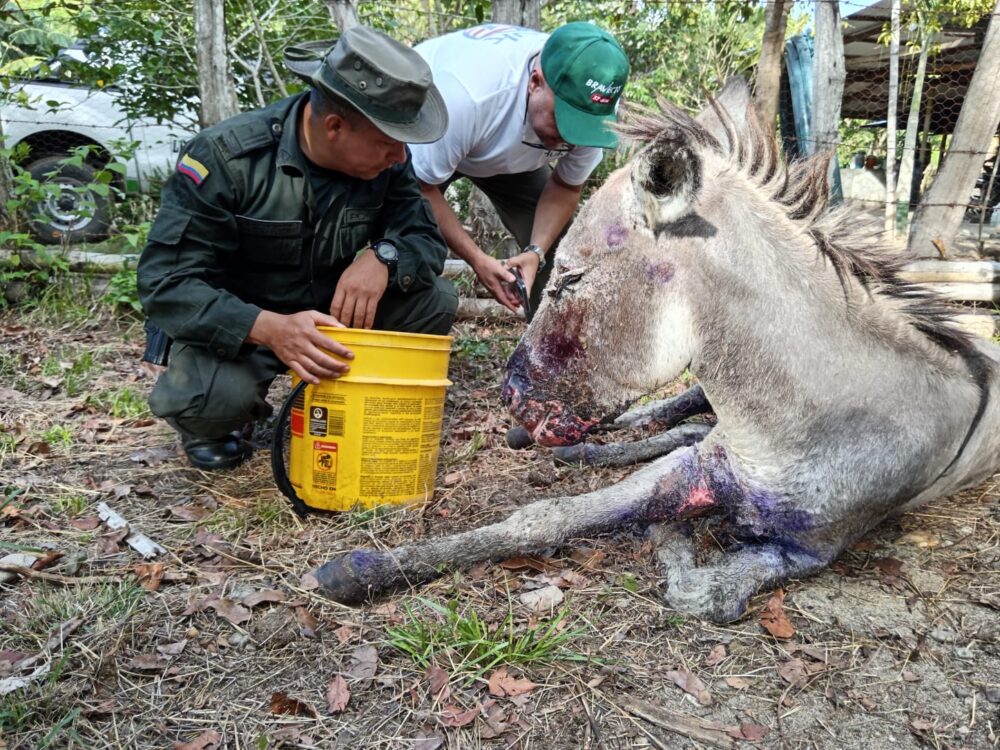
466	644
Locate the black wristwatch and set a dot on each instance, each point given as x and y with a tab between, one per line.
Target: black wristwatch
387	253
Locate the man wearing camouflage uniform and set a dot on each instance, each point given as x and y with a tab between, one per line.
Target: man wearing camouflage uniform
305	213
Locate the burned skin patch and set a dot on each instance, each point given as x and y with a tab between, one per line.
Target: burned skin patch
705	484
549	420
616	236
553	361
660	273
561	344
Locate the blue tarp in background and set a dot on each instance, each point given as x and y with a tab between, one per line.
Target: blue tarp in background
795	107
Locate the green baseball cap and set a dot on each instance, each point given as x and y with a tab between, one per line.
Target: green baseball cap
586	69
386	81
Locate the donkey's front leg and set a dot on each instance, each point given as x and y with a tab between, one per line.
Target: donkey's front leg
356	575
664	414
667	412
629	454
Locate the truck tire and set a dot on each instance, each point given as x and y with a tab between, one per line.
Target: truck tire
73	214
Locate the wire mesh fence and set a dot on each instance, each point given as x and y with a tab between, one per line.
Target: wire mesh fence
935	69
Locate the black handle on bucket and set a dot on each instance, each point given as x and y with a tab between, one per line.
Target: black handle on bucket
278	452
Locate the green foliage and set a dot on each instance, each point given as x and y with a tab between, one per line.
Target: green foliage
121	403
41	267
266	515
122	292
472	347
72	505
31	32
58	436
467	644
929	17
75	369
38	713
8	444
677	49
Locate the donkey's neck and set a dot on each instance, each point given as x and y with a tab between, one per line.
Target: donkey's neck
807	378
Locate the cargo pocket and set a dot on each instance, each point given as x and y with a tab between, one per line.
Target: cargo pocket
268	269
270	244
168	226
354	231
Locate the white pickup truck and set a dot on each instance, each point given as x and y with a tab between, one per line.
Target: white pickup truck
60	116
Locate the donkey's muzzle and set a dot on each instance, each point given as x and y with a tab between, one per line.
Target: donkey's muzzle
549	421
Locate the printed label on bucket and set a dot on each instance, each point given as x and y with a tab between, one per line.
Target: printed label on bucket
390	446
325	465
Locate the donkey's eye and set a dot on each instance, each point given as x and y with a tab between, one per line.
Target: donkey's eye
567	278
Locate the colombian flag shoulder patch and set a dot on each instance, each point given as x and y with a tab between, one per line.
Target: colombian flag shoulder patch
193	168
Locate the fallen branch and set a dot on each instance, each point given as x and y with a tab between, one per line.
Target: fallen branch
20	570
690	726
80	261
484	308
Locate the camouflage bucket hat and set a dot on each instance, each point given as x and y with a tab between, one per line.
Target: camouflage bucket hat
386	81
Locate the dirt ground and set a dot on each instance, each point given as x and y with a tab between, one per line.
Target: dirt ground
222	641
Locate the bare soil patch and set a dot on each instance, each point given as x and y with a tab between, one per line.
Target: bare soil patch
221	641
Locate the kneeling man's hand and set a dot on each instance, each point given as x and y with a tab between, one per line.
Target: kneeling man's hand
359	290
295	340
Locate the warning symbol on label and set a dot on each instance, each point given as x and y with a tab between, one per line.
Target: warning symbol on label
317	420
324	456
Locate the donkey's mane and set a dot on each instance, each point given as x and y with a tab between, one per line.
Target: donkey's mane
801	189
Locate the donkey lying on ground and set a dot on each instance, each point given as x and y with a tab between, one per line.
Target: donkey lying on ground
843	394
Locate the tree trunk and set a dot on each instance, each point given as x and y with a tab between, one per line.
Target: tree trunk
344	13
518	13
939	215
828	88
768	80
6	187
890	124
828	77
215	86
432	21
904	185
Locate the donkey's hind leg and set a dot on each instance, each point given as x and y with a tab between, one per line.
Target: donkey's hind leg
720	591
628	454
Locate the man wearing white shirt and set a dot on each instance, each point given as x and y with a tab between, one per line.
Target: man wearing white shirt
519	100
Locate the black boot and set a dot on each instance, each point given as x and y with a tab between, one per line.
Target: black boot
226	452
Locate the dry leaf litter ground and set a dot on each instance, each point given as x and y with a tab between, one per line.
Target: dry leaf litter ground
222	640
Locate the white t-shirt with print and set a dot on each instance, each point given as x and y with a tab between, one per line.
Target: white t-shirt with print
482	74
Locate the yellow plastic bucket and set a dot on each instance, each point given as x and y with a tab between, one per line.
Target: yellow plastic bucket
372	437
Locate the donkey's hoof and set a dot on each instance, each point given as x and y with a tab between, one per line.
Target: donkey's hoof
571	454
518	438
339	581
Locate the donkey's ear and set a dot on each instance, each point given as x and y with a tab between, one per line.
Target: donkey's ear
726	116
666	177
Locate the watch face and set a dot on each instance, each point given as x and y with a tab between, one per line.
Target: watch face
386	252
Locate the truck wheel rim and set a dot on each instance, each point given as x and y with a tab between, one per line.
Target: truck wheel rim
69	210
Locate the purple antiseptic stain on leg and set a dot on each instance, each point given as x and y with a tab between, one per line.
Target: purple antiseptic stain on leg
660	273
706	483
366	562
616	236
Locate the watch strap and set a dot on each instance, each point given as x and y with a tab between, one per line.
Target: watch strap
537	251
